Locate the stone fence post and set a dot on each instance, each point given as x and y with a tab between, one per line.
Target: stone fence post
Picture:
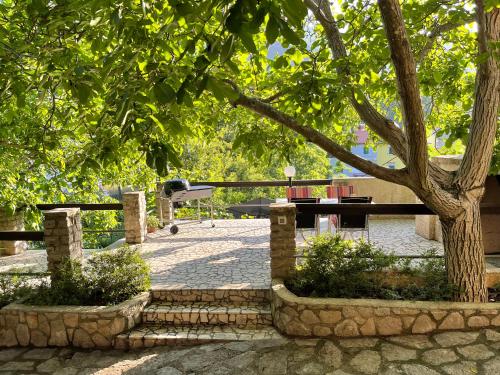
282	239
13	222
135	217
164	209
63	237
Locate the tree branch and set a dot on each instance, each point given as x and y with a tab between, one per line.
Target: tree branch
406	74
477	157
264	109
384	127
438	31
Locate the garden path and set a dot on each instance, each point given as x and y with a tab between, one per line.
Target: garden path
233	254
449	353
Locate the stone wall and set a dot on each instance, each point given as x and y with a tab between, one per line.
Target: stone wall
62	236
212	295
13	222
79	326
282	242
308	317
135	217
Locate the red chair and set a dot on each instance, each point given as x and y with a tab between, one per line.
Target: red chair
338	192
298	192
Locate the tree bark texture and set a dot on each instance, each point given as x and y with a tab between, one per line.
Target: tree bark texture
463	246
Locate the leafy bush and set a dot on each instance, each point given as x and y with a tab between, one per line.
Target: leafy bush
108	278
336	268
432	280
153	221
13	287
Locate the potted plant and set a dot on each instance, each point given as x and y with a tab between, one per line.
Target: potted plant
153	223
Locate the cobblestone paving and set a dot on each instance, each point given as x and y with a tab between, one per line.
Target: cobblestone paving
454	353
232	255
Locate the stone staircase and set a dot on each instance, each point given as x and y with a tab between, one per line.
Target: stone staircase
195	316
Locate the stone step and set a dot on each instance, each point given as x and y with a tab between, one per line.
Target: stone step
148	335
238	314
211	295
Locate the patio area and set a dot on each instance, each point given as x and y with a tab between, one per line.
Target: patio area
232	255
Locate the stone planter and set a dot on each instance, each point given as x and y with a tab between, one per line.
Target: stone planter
320	317
78	326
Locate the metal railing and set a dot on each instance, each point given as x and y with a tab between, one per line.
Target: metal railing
39	235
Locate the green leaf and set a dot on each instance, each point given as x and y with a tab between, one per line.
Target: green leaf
82	92
235	19
221	90
248	42
272	30
157	122
164	93
289	35
295	11
227	49
437	76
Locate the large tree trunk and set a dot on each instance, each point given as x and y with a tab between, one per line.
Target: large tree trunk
464	254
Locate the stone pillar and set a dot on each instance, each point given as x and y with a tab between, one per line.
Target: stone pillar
164	208
63	237
135	216
13	222
282	239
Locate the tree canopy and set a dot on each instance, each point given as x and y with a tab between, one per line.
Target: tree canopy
92	84
96	87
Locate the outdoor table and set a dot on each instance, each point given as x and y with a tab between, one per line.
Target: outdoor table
321	201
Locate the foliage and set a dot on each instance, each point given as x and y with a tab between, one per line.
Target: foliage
108	277
101	221
121	79
337	268
345	269
432	282
153	221
13	288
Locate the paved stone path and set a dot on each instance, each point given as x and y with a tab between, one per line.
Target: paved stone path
234	254
455	353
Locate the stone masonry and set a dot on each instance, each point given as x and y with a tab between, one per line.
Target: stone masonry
14	222
62	236
78	326
452	353
135	217
341	317
282	239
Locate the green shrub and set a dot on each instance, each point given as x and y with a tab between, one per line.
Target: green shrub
433	285
117	275
336	268
333	267
153	221
13	287
107	278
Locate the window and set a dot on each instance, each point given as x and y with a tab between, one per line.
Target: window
391	166
391	152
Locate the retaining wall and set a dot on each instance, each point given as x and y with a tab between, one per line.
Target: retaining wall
321	317
78	326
